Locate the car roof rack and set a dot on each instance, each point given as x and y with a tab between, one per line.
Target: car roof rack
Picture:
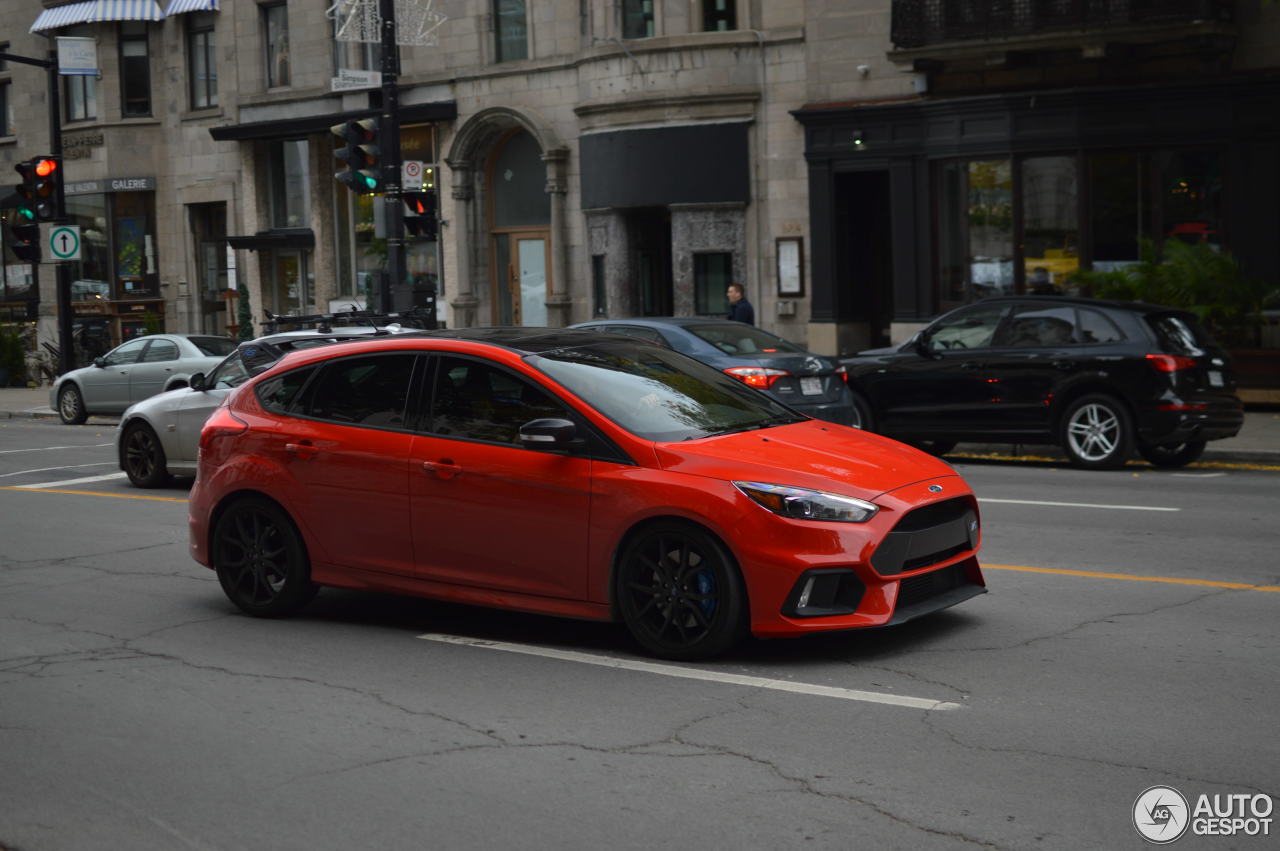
324	322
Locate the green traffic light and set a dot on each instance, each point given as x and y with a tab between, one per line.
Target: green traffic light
370	182
27	213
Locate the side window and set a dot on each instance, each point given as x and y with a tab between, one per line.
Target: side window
371	390
974	328
128	353
478	401
1095	327
160	350
636	331
278	394
1035	325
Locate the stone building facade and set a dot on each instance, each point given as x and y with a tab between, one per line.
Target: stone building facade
586	157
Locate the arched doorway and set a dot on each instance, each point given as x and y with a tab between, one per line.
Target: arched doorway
519	231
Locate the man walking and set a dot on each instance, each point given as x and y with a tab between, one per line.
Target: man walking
740	310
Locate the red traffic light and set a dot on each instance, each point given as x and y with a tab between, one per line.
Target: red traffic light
45	167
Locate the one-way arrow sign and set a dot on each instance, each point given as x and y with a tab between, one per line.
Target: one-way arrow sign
64	242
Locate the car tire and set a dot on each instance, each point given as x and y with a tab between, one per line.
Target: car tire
1175	455
1096	432
71	405
142	456
260	559
679	592
861	412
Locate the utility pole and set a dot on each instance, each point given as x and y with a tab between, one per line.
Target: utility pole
391	168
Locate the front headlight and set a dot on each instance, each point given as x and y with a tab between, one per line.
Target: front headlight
805	504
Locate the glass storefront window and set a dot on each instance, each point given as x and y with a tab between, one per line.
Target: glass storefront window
1120	209
290	178
1050	223
133	217
712	274
1190	196
975	229
91	275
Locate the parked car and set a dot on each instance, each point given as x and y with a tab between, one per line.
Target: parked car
575	474
810	383
1097	378
134	370
158	437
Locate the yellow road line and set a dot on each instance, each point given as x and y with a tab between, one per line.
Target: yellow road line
1129	577
97	493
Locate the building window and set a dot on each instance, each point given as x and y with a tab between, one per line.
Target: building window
135	69
1050	223
637	18
712	274
202	65
276	29
975	230
355	55
511	28
719	15
6	110
80	93
599	294
289	179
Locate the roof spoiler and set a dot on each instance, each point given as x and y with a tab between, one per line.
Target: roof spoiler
417	317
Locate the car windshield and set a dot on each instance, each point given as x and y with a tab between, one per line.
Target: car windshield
659	394
742	340
214	347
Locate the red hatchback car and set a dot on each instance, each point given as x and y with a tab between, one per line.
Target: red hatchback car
574	474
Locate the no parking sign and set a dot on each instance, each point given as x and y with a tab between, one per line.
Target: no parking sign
411	175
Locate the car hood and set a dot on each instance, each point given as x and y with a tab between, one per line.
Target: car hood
811	454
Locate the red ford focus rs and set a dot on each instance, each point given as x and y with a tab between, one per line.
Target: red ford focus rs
569	473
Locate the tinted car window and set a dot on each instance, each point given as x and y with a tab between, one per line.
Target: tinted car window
160	350
370	390
128	353
658	394
479	401
743	340
214	347
973	328
230	373
636	331
1037	325
278	393
1178	335
1095	327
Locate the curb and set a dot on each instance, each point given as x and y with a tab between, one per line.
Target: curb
1017	451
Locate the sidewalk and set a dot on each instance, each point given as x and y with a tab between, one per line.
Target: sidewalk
1257	443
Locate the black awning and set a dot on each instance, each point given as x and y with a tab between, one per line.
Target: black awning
291	127
277	238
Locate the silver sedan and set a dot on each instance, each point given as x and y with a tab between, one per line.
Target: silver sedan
132	371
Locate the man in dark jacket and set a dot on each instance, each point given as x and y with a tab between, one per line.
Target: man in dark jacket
740	310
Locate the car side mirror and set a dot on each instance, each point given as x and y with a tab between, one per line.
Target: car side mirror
196	381
922	347
550	433
100	362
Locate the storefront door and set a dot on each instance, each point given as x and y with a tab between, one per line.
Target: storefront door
290	291
521	266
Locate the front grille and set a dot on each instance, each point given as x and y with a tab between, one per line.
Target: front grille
917	589
927	536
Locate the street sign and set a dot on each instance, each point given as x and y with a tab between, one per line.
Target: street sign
350	79
77	56
63	242
411	175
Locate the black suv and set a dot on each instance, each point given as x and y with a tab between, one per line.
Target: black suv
1098	378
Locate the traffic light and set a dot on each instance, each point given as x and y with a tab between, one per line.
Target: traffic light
420	218
359	155
39	189
25	237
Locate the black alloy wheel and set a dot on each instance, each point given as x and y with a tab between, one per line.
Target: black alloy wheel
143	457
1171	455
1097	432
679	592
260	559
71	405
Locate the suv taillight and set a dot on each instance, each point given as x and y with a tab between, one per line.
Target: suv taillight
843	372
1170	363
759	377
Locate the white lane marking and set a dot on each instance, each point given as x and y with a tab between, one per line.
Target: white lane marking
696	674
66	482
51	448
1078	504
1199	475
63	467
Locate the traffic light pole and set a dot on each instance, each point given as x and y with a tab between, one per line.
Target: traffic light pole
390	144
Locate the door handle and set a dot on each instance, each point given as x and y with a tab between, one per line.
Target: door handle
302	450
443	469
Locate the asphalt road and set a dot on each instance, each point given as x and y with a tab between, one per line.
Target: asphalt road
1129	640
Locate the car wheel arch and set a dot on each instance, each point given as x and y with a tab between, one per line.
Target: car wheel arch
1062	401
643	525
225	504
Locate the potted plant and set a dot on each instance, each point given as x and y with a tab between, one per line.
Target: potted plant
13	357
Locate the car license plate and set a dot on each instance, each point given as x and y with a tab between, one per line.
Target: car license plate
811	386
1215	378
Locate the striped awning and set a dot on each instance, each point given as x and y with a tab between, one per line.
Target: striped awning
177	7
90	11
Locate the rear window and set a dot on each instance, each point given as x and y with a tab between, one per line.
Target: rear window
742	340
214	347
1179	335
